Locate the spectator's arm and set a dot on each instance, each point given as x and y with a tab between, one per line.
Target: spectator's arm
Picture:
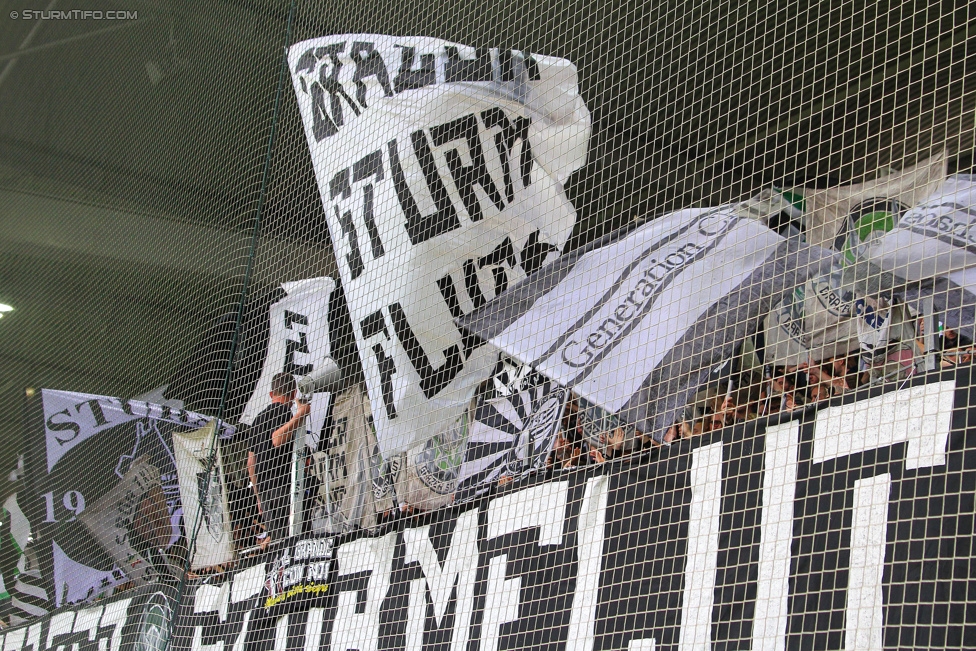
252	464
283	434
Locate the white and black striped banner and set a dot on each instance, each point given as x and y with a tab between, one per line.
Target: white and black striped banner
511	436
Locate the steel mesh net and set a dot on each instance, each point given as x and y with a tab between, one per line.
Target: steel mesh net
483	326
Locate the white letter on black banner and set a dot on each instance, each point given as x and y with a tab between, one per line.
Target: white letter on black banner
776	537
460	568
921	417
589	553
353	630
702	557
542	506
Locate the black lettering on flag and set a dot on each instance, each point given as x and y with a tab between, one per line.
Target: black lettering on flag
306	63
409	77
520	131
421	228
495	117
531	66
324	123
432	380
64	426
340	186
387	369
292	346
505	144
503	253
295	317
534	253
502	258
370	65
370	166
471	284
505	64
96	411
375	324
446	285
466	128
477	69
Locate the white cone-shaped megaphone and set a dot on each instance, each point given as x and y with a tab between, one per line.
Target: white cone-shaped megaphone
327	377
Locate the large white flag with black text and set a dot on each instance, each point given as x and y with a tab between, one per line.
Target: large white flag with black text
635	321
441	170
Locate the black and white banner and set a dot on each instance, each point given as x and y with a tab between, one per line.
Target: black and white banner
354	484
299	572
511	436
441	169
140	619
103	492
298	343
203	492
844	527
634	323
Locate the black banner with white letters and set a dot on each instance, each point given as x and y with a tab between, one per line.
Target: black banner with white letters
135	620
848	526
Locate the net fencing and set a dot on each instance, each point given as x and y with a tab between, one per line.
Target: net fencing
479	326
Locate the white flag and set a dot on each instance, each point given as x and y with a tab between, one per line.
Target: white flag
298	342
204	495
634	322
441	170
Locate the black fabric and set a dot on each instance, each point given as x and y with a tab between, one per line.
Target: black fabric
272	466
129	621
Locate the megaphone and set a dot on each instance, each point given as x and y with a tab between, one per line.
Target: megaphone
327	377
